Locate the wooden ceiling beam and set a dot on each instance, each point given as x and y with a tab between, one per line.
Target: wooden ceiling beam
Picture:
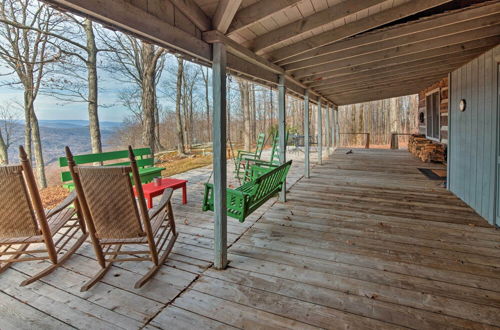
364	97
421	47
450	50
256	12
390	77
430	35
421	64
309	23
248	56
461	16
131	19
350	29
194	13
224	14
381	84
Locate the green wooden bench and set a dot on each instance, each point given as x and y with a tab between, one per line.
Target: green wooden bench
244	200
145	162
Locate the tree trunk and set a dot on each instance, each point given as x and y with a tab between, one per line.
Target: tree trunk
27	124
180	143
4	155
185	126
95	132
148	96
207	104
253	116
245	107
37	147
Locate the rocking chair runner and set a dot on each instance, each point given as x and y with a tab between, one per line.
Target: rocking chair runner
114	220
24	222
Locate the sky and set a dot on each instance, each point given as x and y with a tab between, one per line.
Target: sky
50	108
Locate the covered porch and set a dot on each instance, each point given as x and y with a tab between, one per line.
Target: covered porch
367	242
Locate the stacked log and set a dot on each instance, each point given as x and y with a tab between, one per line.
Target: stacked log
427	150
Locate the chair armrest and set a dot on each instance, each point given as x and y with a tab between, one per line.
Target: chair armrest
165	199
244	152
64	204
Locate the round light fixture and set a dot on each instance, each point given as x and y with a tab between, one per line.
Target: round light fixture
462	105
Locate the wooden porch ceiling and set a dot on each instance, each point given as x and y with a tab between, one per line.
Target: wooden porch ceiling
342	51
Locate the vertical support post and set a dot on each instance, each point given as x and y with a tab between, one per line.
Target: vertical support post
219	153
320	132
334	123
327	130
282	127
307	172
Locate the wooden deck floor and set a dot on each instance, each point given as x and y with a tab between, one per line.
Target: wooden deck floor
366	242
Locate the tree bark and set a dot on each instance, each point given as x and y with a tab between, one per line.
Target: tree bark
180	136
207	104
148	96
27	124
245	107
37	147
95	132
4	155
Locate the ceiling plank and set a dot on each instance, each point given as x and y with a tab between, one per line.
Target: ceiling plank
398	31
444	51
419	47
397	84
256	12
431	35
359	96
224	14
311	22
380	83
195	14
423	63
363	97
350	29
393	75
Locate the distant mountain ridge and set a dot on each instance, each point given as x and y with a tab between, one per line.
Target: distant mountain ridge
76	123
56	134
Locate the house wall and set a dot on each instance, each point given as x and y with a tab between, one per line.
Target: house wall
442	86
474	135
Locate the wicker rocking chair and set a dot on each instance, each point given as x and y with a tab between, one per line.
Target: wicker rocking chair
27	229
119	230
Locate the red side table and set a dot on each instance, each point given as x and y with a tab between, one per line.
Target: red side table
151	190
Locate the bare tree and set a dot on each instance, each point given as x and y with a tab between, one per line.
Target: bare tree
244	86
9	115
141	63
205	75
28	53
178	99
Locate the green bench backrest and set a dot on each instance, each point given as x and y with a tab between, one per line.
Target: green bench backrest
275	151
269	183
261	138
143	155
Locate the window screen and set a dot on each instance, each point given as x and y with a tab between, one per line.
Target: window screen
433	115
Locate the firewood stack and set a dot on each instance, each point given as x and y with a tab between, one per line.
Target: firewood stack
426	150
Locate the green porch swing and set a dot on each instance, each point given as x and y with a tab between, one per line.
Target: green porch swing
244	200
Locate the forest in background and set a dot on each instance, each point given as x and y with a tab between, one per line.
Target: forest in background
380	119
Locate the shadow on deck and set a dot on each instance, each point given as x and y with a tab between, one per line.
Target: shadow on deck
367	242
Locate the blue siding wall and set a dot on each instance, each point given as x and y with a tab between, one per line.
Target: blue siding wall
473	140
